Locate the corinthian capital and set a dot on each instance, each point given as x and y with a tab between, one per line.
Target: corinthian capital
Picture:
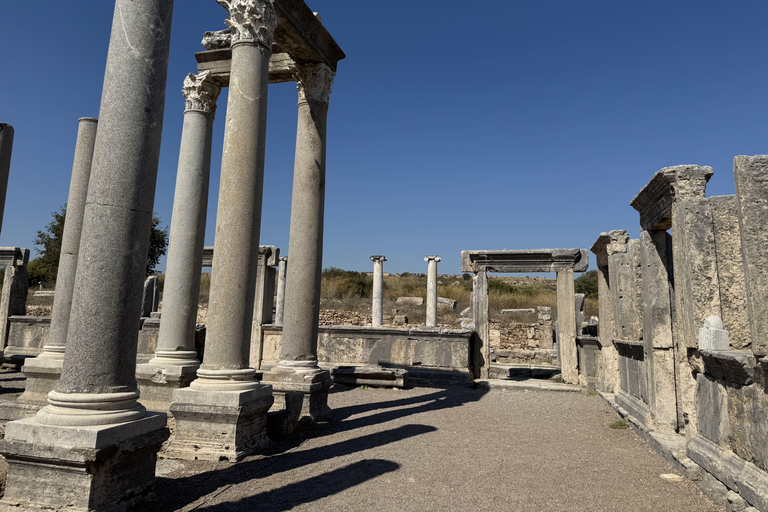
200	92
314	82
251	20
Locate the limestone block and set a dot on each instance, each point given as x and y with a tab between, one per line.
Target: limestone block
712	336
733	366
370	376
410	301
445	303
545	314
712	406
400	320
735	503
526	315
751	177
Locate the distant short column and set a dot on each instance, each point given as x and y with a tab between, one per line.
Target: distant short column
282	266
6	145
377	308
566	326
432	289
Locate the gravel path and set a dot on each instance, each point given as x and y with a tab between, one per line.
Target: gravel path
431	449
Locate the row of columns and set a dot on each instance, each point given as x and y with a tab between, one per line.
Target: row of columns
377	308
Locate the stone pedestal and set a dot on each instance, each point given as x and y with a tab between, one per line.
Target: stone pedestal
432	290
377	308
219	425
108	467
313	385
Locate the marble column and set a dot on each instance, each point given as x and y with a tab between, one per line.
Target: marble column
377	308
280	305
93	421
222	414
566	326
44	370
481	320
298	369
175	362
432	290
6	145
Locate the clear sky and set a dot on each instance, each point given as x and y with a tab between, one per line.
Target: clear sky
452	125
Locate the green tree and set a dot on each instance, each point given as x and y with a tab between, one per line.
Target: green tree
48	241
587	284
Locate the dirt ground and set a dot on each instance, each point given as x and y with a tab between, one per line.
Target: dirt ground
431	449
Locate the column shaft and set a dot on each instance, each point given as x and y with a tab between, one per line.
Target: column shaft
176	339
432	290
104	322
305	246
70	240
566	324
6	145
238	221
280	306
377	308
480	317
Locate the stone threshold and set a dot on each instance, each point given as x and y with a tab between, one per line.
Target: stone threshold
528	385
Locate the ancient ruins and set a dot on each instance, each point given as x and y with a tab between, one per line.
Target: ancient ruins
677	348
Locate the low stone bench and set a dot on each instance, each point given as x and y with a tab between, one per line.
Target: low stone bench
370	376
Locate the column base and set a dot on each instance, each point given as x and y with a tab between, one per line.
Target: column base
105	467
287	385
219	425
157	383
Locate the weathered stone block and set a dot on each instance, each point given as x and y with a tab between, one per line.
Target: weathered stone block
712	336
712	404
730	366
370	376
410	301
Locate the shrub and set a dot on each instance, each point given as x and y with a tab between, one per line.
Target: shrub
587	284
340	284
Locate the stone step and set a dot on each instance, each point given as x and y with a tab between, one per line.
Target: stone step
523	371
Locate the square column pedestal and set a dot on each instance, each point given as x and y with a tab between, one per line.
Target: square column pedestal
298	395
219	425
105	467
158	383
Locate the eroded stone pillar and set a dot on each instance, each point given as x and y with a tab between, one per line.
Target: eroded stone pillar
298	370
93	421
13	298
6	146
432	289
222	414
44	370
480	318
263	300
377	308
566	325
175	362
614	242
280	301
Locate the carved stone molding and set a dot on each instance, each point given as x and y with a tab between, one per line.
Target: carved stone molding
314	82
251	20
200	92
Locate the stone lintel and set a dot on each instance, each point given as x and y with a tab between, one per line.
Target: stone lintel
612	242
670	184
525	260
13	256
300	38
268	253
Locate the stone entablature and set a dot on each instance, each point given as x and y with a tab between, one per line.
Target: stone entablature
525	260
612	242
654	202
13	256
267	253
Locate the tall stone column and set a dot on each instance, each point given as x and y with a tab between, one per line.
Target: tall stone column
481	319
222	414
605	245
6	146
566	326
432	290
298	369
44	370
377	308
280	302
175	362
93	421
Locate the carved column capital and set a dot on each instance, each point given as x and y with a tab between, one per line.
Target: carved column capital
314	82
200	92
251	20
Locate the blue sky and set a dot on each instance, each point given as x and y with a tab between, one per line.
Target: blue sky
452	125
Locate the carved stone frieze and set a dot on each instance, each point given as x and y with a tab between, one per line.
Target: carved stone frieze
314	82
251	20
200	92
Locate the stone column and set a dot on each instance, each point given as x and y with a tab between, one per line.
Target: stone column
93	421
432	290
377	308
280	305
606	244
43	371
223	412
13	298
566	325
175	361
298	369
6	145
264	299
480	317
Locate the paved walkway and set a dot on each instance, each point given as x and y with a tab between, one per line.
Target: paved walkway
443	450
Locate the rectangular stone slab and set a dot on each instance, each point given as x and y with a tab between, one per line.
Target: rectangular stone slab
526	260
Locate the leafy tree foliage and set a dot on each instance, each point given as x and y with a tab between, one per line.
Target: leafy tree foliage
587	284
48	241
